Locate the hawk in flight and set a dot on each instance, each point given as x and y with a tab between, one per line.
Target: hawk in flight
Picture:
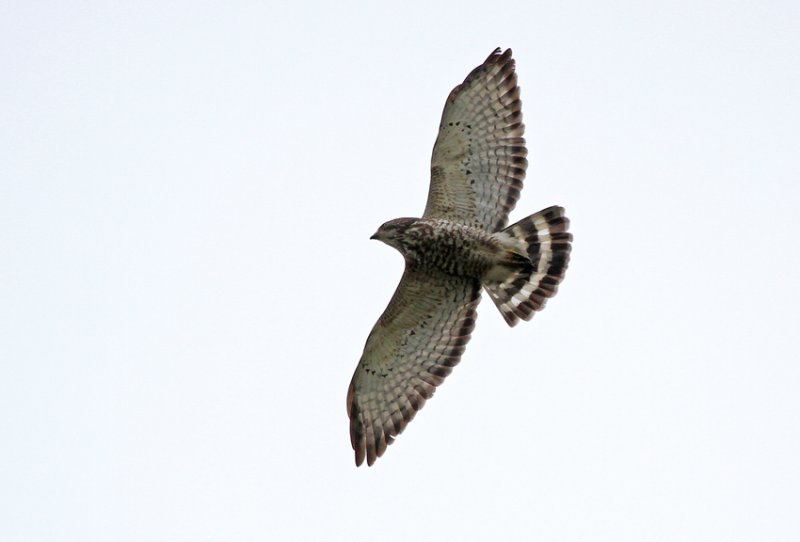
461	244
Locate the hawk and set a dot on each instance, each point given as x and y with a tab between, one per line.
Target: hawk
460	245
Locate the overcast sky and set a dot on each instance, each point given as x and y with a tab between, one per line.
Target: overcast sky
187	192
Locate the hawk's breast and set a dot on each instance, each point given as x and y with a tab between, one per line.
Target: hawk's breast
449	247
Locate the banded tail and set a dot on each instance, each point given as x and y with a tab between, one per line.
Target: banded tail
544	242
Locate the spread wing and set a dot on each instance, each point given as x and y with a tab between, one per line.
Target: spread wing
414	345
478	162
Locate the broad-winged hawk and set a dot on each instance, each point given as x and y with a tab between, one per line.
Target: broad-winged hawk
460	245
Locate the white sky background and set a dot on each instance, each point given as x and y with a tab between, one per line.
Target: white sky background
186	279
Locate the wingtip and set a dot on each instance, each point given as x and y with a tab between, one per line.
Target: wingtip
359	457
497	55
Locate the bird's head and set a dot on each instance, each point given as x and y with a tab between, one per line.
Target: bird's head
393	232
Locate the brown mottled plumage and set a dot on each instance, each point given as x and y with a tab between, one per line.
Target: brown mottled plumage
460	244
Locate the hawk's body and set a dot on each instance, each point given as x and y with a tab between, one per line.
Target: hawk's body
459	245
434	244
